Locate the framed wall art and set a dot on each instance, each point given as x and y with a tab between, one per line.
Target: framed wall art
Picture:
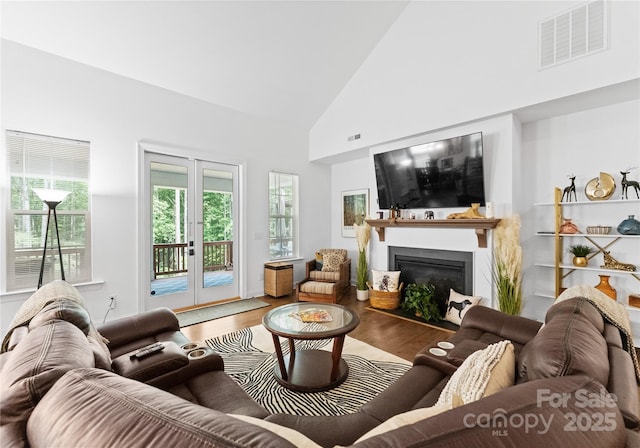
355	207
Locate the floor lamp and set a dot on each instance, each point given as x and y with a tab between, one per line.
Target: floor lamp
52	198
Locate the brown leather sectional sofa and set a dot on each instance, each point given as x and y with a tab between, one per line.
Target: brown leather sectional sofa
52	394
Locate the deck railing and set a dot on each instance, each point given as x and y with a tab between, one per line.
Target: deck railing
171	258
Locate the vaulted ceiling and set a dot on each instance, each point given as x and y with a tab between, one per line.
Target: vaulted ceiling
286	60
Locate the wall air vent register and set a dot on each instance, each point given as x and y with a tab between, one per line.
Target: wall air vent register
572	34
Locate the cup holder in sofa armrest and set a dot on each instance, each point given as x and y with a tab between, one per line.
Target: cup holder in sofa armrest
144	369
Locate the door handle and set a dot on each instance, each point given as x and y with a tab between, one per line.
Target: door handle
191	250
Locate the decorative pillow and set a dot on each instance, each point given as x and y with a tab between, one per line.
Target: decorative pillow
483	373
386	280
290	435
331	261
458	305
319	261
406	418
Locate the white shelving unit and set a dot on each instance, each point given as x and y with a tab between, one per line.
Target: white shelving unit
628	245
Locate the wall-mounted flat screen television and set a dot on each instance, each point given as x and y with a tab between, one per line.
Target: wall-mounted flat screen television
446	173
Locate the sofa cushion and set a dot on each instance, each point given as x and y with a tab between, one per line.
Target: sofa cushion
483	373
98	409
571	342
289	434
331	261
458	305
406	418
324	276
32	368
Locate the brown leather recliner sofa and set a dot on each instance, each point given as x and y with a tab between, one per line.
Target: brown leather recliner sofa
52	394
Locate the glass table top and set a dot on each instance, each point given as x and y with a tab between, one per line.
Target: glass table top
285	320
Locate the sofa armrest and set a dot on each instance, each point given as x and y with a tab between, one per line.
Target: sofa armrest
310	266
523	415
515	328
345	271
122	331
196	366
170	358
622	384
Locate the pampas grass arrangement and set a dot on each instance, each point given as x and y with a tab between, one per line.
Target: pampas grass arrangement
507	265
363	233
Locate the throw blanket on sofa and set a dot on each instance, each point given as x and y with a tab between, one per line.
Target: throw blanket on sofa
51	292
613	312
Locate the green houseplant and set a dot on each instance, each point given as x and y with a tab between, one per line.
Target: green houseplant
580	253
419	298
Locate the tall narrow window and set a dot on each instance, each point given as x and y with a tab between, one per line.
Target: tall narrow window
283	215
37	161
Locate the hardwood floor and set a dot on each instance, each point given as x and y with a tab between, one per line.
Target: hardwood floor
394	335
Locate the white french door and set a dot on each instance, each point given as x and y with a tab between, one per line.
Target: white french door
191	217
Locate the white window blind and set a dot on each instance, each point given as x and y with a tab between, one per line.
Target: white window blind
283	215
38	161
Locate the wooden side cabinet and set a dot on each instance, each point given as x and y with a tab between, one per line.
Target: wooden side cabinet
278	278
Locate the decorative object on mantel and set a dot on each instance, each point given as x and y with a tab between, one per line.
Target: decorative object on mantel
605	286
570	189
629	183
507	265
470	213
580	254
568	227
363	233
612	263
600	188
634	300
629	226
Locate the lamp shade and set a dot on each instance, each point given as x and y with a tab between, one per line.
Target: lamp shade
51	195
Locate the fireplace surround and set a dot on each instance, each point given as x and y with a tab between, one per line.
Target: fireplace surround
445	269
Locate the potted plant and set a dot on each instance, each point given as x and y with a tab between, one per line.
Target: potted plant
363	232
419	299
580	253
507	265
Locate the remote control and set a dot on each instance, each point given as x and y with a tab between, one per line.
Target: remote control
148	350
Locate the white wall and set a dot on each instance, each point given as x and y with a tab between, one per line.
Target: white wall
499	171
445	63
45	94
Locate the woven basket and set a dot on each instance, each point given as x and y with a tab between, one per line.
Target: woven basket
385	300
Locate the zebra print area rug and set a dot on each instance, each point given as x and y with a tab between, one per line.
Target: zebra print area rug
249	359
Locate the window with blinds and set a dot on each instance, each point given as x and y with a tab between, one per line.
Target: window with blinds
38	161
283	215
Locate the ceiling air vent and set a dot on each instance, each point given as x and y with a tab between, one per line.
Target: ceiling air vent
573	34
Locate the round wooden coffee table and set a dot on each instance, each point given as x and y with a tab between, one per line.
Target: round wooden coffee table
310	370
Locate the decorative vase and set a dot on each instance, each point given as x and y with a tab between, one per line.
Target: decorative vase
606	287
629	226
362	295
580	262
568	227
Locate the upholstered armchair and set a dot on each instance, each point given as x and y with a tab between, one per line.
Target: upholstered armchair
328	277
